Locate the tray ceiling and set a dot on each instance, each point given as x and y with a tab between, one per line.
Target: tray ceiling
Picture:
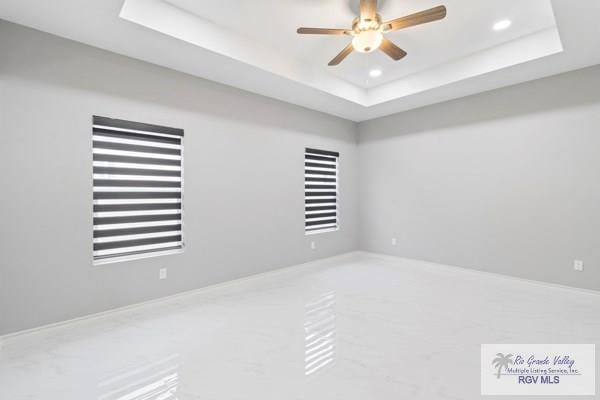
254	46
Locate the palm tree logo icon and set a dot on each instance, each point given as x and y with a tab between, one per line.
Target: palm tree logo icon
502	361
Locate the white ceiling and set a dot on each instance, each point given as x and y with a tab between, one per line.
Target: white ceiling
253	45
427	45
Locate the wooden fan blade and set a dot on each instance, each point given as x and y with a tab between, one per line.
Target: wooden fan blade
343	54
389	48
433	14
368	9
322	31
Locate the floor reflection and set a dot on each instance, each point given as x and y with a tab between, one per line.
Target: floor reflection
319	329
153	381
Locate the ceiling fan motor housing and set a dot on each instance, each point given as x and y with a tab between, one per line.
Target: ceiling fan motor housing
365	24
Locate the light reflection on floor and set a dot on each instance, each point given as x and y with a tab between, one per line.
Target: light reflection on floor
319	329
154	381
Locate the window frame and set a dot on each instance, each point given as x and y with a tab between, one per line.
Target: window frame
141	128
316	151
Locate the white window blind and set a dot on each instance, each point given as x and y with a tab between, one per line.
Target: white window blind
138	186
320	190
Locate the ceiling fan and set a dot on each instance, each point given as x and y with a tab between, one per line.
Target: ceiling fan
368	29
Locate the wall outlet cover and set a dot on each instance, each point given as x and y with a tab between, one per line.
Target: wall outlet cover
162	273
313	245
578	265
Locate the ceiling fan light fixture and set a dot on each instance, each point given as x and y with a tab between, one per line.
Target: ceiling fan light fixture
368	28
367	41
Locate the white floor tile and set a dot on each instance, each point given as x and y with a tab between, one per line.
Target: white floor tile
370	328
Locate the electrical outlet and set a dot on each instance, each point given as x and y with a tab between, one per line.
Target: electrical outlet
394	242
313	245
578	265
162	273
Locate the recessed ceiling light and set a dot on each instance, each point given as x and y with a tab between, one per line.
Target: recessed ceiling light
374	73
502	25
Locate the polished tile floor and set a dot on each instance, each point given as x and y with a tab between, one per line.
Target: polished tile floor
357	327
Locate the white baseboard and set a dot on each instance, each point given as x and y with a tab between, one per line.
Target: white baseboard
463	270
340	257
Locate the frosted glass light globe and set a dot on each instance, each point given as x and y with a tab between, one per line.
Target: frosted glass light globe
367	41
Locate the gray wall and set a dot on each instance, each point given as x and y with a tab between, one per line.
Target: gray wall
243	179
507	181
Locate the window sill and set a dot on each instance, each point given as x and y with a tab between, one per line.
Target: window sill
322	231
137	257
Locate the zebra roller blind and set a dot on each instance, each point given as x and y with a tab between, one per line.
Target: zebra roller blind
138	184
320	190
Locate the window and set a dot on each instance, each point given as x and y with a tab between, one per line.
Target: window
138	187
320	191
